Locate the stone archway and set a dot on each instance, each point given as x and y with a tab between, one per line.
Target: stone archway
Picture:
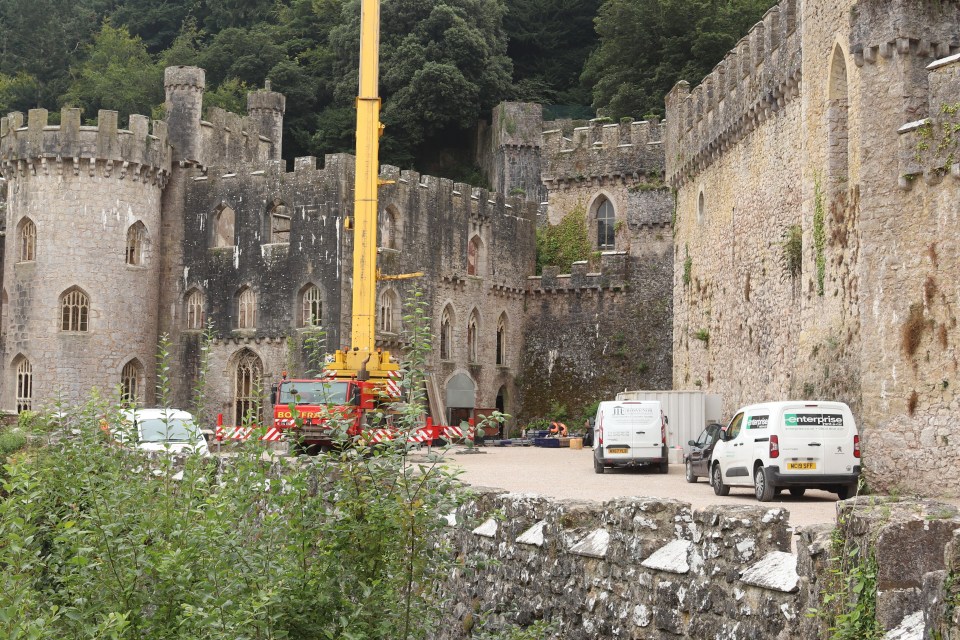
461	398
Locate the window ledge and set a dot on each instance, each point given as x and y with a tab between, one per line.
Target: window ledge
388	250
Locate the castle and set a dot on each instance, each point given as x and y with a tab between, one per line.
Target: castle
116	237
816	236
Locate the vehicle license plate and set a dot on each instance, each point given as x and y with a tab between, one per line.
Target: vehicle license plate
617	450
801	465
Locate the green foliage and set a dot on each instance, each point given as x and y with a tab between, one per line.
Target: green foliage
11	442
647	46
819	234
687	269
563	244
17	92
793	250
105	542
118	74
848	597
231	95
703	335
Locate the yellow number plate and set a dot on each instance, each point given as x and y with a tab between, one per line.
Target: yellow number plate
617	450
801	465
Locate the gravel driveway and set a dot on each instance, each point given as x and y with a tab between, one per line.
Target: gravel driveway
568	473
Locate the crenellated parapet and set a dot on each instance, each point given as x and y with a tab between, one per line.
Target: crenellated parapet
613	276
140	153
752	83
481	204
225	139
602	150
929	148
882	30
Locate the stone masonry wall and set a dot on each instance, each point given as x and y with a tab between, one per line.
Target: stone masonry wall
794	136
643	568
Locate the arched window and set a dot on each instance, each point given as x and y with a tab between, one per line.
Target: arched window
700	208
136	238
473	338
131	382
388	229
194	311
74	310
446	334
502	340
837	120
389	312
279	223
311	307
247	309
24	385
476	257
606	226
247	389
223	234
27	240
4	303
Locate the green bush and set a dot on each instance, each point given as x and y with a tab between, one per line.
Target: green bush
102	542
11	442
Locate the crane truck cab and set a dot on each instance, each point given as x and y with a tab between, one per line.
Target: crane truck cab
629	433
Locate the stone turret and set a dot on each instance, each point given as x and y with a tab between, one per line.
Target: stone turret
184	105
84	214
265	108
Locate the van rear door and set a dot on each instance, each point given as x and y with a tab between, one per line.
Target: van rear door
644	421
811	435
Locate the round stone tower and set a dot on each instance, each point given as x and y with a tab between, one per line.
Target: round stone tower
183	88
81	259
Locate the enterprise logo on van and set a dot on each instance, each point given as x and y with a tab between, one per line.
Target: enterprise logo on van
813	420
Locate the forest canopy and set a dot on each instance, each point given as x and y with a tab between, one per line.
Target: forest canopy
443	63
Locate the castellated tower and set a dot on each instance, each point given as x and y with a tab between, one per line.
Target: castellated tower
80	273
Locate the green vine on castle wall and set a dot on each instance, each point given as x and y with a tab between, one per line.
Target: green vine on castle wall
564	243
937	145
819	233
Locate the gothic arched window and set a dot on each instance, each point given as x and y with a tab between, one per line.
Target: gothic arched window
74	310
606	226
247	389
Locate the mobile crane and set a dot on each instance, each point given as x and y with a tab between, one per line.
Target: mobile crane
362	377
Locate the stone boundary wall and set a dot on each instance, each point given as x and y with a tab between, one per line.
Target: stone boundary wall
752	82
656	568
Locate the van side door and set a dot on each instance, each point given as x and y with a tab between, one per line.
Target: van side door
735	451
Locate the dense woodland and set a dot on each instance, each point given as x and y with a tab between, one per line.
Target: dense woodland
444	63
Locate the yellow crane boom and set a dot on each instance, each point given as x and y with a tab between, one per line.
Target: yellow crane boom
363	355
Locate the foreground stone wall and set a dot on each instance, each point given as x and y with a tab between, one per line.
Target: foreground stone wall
646	568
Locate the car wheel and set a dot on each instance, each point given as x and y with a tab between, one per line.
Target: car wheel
690	475
845	491
717	481
797	492
761	487
597	466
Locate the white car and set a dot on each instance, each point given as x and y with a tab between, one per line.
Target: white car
169	430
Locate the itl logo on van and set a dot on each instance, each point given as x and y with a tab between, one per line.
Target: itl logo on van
641	410
812	420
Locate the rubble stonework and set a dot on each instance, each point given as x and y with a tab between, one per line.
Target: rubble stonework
827	126
653	568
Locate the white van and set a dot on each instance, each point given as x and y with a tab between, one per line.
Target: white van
629	433
795	445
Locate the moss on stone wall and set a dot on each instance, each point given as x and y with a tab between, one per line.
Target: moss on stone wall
562	244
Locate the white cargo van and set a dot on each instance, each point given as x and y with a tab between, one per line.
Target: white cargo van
629	433
795	445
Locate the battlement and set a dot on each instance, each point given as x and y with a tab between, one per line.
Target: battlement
752	83
480	202
603	149
230	140
517	124
929	148
612	276
139	149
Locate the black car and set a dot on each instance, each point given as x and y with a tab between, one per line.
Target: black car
701	450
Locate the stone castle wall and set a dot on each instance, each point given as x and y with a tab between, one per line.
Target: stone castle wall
83	188
646	568
792	136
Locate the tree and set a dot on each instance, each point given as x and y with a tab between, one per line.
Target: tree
117	74
646	46
443	65
549	42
